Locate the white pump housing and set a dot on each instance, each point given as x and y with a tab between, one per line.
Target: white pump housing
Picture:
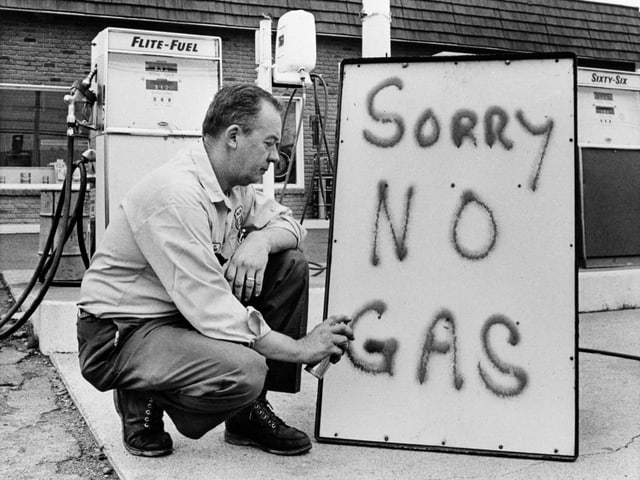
295	48
153	92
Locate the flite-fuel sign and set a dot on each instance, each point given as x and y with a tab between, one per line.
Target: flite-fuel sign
453	248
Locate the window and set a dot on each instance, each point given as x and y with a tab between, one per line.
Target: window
290	124
33	132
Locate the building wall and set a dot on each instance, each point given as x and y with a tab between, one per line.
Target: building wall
43	50
18	207
56	50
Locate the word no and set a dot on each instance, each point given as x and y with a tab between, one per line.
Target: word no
383	352
469	198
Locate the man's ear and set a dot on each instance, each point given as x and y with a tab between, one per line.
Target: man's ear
231	136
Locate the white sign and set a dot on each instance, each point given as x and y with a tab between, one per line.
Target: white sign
612	79
453	248
159	43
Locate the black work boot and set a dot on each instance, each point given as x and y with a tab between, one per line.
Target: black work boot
142	426
259	426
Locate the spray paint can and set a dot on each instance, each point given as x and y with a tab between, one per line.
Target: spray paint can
319	369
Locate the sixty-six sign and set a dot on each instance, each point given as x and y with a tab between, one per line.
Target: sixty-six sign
453	248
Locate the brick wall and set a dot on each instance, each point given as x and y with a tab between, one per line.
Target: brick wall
56	50
19	207
25	206
44	50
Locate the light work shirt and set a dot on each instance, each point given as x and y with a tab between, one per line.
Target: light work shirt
159	253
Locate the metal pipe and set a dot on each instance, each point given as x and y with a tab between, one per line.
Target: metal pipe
264	60
376	28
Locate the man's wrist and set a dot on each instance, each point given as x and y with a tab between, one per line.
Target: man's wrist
301	350
277	346
275	238
258	239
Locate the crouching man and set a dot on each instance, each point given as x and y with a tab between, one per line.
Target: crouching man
195	302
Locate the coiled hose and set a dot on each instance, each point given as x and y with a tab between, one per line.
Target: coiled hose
52	253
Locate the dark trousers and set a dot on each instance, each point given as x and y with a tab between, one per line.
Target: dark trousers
199	381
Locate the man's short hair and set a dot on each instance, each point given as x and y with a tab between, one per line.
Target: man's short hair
236	104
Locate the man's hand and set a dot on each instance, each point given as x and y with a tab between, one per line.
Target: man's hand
330	338
245	269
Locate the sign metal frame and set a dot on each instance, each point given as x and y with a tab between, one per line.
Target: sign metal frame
576	242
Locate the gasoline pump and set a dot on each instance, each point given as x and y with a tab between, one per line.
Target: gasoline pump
153	90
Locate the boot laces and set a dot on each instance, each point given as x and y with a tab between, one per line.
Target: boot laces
263	411
153	415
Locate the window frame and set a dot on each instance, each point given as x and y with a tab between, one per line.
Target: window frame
298	107
37	173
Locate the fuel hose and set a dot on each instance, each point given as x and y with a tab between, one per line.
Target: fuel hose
47	266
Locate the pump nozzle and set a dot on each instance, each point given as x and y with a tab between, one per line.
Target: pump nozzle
80	92
89	155
84	87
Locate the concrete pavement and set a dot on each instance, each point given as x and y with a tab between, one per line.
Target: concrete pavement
42	435
609	419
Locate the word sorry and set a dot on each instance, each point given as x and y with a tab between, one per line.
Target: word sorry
428	128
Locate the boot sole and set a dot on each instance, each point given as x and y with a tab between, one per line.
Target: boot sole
135	451
234	439
147	453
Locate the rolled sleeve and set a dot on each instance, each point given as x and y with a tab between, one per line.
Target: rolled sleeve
257	324
266	213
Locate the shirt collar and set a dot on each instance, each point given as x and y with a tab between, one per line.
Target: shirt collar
206	175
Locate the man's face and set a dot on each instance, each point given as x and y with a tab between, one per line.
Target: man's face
259	147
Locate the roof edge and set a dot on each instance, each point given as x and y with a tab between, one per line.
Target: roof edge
594	62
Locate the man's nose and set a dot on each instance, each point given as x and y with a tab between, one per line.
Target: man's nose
274	155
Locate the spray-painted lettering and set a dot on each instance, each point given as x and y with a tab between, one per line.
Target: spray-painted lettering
462	126
377	356
495	121
382	351
478	253
384	117
433	344
400	242
519	373
462	245
545	130
423	139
